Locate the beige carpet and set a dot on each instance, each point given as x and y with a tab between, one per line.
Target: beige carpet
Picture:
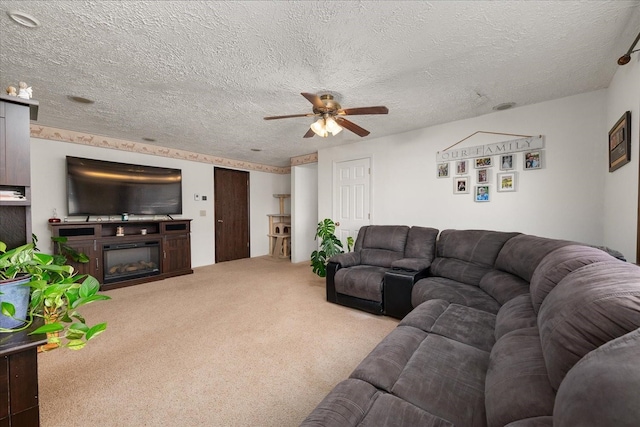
251	342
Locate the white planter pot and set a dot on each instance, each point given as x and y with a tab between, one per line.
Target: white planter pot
16	291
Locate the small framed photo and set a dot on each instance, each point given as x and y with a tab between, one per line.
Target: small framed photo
507	162
443	170
507	181
483	176
461	185
461	167
481	193
483	162
620	142
532	160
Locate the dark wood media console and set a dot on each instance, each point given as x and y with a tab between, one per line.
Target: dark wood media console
133	257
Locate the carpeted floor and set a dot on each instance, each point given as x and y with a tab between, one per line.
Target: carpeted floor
251	342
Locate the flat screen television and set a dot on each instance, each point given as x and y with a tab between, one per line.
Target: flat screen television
98	187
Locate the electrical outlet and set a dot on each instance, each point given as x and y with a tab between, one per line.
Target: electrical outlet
196	197
204	198
203	213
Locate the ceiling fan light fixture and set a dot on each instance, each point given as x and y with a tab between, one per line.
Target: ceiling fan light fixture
320	128
332	126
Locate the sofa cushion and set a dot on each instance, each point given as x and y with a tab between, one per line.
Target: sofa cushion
345	405
480	247
419	363
557	264
387	360
454	292
424	316
517	386
379	257
467	325
361	281
589	307
503	286
515	314
459	270
467	255
421	243
354	403
463	324
389	237
390	411
446	378
522	254
603	388
545	421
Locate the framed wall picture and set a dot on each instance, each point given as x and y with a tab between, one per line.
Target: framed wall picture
461	167
507	162
532	160
481	193
507	181
443	170
483	176
620	142
483	162
461	185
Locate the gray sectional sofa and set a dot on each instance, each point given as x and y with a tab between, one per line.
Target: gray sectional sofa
507	329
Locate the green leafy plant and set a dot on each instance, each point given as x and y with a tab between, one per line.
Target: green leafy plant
66	252
330	245
55	296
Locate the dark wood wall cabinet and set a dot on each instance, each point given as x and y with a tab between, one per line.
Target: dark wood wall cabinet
15	170
125	253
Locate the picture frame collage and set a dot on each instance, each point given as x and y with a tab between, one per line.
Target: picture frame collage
480	169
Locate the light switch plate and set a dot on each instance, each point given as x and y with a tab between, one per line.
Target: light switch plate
196	197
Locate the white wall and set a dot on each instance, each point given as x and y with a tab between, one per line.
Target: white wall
621	186
563	200
263	187
304	211
49	192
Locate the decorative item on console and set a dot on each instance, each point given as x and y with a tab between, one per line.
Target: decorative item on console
54	217
25	92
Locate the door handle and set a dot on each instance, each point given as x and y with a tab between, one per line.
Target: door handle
220	220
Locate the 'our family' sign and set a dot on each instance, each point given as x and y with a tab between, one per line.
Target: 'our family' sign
505	147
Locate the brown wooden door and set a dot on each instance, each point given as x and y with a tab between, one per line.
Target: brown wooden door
231	200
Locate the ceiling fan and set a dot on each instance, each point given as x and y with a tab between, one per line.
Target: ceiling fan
331	116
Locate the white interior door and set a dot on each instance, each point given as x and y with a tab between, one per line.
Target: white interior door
351	192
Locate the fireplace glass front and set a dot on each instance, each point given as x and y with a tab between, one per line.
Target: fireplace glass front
128	261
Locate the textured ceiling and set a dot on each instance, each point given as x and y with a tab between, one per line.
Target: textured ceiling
201	75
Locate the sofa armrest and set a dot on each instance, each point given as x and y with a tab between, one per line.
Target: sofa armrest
397	288
332	267
348	259
411	264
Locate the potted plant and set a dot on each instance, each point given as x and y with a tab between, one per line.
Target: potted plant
55	293
330	245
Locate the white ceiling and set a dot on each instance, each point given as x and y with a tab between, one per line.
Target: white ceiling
201	75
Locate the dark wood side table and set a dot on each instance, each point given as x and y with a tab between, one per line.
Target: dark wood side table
19	378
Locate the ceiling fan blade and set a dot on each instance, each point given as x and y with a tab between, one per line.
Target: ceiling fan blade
363	110
352	126
289	116
314	99
309	134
